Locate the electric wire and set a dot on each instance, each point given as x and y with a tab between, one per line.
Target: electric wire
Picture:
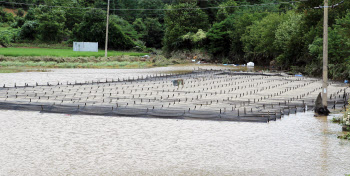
169	9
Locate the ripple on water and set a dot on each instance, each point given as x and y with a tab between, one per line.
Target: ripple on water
57	144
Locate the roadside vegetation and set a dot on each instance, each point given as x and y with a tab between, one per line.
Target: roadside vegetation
286	36
8	63
21	69
345	136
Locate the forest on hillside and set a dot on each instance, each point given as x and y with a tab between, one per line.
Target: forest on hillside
280	33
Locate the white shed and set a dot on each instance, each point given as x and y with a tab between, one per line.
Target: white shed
85	46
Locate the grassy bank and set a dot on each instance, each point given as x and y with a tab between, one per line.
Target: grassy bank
16	52
16	64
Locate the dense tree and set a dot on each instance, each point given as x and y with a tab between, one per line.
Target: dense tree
181	22
226	9
30	14
289	34
211	12
125	26
128	15
220	38
93	29
151	4
259	38
139	27
51	25
73	16
339	47
154	33
289	40
241	22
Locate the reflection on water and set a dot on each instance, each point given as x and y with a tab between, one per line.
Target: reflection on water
58	144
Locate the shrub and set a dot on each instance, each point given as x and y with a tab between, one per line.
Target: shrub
8	36
19	23
20	12
6	17
4	40
29	30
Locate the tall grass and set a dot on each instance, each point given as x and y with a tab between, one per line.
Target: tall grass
85	62
16	52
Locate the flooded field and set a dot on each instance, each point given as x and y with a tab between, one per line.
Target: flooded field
34	143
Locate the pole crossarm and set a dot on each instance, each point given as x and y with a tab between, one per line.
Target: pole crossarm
332	6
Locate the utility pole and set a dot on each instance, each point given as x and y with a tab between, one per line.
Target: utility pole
325	55
106	46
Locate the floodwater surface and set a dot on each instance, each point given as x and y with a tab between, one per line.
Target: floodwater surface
33	143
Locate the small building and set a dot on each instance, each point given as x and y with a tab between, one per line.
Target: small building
85	46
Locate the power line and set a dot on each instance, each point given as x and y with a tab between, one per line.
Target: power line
18	3
207	8
152	14
332	6
199	8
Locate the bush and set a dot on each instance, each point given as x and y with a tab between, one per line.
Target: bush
346	136
19	23
29	30
9	36
5	40
161	61
6	17
346	117
20	12
9	18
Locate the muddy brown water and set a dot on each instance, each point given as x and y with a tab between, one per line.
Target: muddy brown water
58	144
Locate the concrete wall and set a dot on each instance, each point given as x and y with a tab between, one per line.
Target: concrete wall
85	46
